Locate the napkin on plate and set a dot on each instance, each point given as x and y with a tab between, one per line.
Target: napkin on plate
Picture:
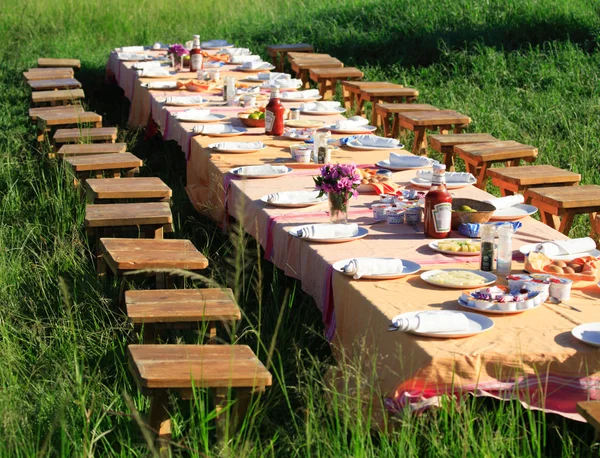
432	322
148	64
242	59
256	64
408	160
326	231
132	48
373	266
212	64
236	51
213	43
261	170
270	76
377	142
506	202
130	56
301	95
183	100
237	146
352	123
451	177
319	106
282	84
193	113
156	71
565	247
208	129
160	84
294	197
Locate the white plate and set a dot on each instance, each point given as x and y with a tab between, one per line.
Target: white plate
588	333
236	131
489	277
207	119
236	151
136	58
386	165
418	182
206	46
362	232
434	246
296	139
255	70
186	104
514	213
477	324
308	99
360	147
356	130
170	75
338	110
494	311
408	268
296	205
526	249
166	86
233	172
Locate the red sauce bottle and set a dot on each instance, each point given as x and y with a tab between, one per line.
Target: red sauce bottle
438	206
196	55
274	115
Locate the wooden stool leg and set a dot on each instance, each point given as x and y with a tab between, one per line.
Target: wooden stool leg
547	218
481	178
566	222
212	332
459	128
347	95
420	142
386	124
221	401
159	421
594	229
395	126
449	158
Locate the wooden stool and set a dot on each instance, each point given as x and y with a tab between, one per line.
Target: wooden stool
96	165
87	135
152	218
388	112
278	52
70	109
104	190
445	144
156	310
47	74
479	156
516	180
159	368
590	410
47	121
327	78
51	84
559	205
420	121
302	67
51	62
53	98
352	90
88	149
386	95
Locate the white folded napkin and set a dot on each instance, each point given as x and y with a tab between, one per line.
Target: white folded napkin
326	231
182	100
247	90
208	129
274	76
294	197
237	146
242	59
255	65
236	51
373	266
156	71
408	160
564	247
433	321
193	113
212	64
161	84
132	48
506	202
352	123
319	106
130	56
377	142
213	43
451	177
261	170
282	84
148	64
300	95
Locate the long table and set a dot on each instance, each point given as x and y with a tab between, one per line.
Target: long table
531	356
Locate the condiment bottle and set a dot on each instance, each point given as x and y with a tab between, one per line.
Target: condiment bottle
319	146
488	234
274	115
438	206
196	55
504	255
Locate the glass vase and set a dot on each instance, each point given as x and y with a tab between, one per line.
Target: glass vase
338	208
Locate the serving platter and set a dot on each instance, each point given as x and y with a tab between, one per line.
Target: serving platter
496	311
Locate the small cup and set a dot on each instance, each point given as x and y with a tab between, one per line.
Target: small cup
294	113
413	216
249	101
560	289
302	155
379	211
201	75
395	216
215	75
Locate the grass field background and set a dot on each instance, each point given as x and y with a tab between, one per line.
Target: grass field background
523	70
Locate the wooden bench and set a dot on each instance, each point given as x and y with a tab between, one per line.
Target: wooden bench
559	205
52	98
351	91
517	180
479	157
71	109
85	135
152	219
302	66
51	84
88	149
181	368
47	74
386	95
278	52
158	310
105	190
327	78
445	144
421	121
96	165
388	113
52	62
590	410
47	121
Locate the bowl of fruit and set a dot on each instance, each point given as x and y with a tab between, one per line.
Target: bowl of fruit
470	211
253	119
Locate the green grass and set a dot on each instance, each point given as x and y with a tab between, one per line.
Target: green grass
523	70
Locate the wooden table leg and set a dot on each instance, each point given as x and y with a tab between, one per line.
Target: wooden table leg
481	176
360	104
566	222
594	229
348	98
449	158
395	126
386	124
420	141
159	420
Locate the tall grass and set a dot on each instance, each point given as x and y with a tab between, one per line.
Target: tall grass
523	70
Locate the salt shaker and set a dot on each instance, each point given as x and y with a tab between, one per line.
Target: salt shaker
488	234
319	146
504	256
